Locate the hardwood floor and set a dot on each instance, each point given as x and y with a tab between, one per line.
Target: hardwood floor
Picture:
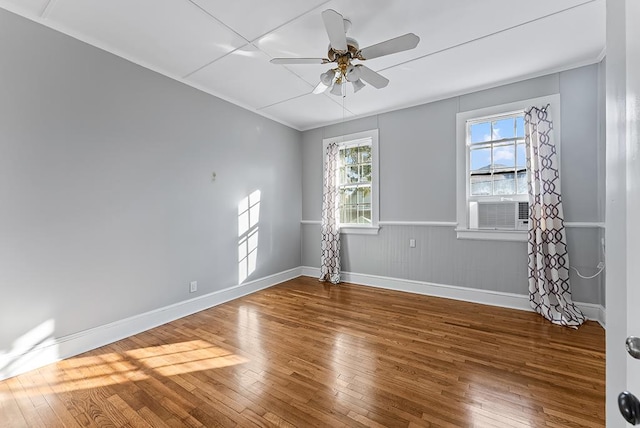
305	353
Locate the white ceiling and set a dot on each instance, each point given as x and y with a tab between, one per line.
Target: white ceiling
223	47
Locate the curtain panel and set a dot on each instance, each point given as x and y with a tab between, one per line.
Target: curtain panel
330	243
549	287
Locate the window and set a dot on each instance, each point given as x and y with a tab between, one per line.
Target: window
357	180
497	162
354	182
491	171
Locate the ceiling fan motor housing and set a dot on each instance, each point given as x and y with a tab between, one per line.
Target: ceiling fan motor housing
343	59
352	50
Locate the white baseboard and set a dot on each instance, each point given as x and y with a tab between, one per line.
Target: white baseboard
486	297
55	349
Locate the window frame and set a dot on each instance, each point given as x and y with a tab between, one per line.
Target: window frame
463	191
345	141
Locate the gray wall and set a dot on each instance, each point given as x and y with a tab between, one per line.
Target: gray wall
108	207
418	183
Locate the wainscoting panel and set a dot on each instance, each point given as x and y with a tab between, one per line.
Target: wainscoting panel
439	257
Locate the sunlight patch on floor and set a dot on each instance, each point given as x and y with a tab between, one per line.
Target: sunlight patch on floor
185	357
94	371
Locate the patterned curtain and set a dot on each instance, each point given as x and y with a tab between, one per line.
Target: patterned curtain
549	288
330	260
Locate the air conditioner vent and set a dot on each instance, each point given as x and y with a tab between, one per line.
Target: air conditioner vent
496	215
523	210
506	215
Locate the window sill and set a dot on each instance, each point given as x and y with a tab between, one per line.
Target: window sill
359	230
493	235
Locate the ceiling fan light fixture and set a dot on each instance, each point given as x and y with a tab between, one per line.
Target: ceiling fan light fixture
357	85
337	89
353	73
327	77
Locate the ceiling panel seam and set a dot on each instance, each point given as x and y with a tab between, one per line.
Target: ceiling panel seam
304	95
203	10
217	59
513	27
46	9
252	42
290	21
225	26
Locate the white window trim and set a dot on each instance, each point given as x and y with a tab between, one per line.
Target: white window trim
375	200
462	164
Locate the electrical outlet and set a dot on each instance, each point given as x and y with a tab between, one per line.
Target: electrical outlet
193	286
412	243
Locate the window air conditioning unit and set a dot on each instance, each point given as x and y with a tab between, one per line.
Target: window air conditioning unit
507	215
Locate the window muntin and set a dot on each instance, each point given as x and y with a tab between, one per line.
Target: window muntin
497	163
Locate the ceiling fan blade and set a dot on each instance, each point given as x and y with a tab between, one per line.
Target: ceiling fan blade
320	88
399	44
371	77
299	61
334	24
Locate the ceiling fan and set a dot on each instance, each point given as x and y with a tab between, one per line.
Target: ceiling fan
343	50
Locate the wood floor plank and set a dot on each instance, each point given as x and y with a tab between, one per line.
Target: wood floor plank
304	354
15	406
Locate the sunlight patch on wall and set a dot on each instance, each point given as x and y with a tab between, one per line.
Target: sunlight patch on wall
33	349
248	218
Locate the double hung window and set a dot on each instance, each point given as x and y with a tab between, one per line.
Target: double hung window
492	188
497	162
354	182
357	181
